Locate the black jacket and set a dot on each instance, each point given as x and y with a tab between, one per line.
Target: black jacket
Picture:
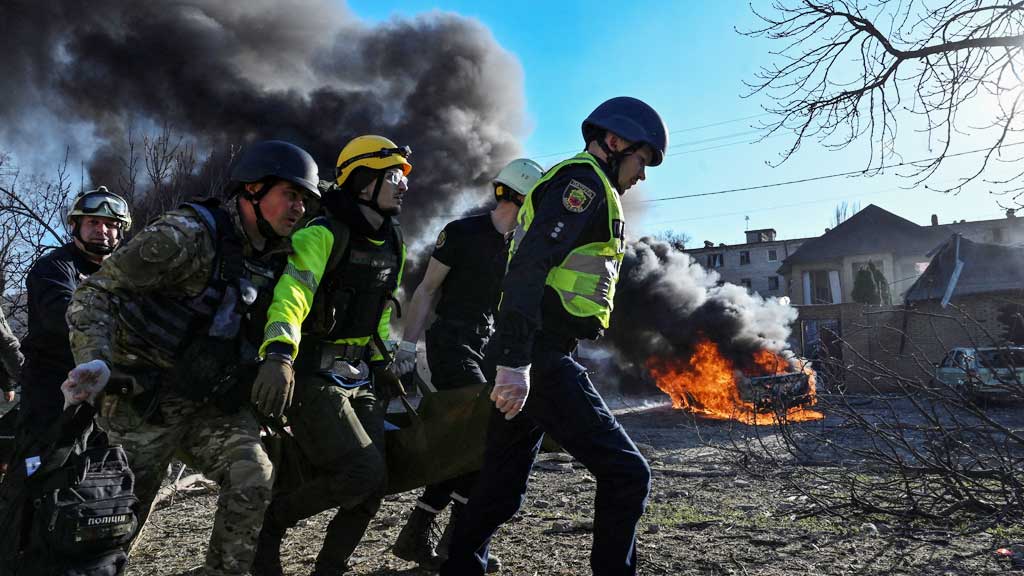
527	304
50	283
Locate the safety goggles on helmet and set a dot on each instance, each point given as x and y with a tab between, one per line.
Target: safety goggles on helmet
403	151
93	203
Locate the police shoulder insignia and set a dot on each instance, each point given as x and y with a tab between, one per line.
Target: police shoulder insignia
441	238
577	197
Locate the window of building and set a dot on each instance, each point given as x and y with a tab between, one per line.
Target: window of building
746	283
744	257
773	255
773	282
715	261
822	287
999	235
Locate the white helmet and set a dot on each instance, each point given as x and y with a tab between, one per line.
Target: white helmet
520	175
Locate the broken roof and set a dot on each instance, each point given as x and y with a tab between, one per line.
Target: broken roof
985	268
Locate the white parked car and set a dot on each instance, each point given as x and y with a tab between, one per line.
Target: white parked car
984	372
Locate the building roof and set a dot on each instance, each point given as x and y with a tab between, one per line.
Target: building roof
986	268
870	231
730	247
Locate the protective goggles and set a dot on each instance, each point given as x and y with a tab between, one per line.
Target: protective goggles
93	203
395	177
403	151
502	191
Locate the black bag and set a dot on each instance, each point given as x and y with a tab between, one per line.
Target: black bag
75	513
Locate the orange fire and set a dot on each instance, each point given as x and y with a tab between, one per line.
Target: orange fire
707	384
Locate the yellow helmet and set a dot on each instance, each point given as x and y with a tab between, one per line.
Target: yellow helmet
374	152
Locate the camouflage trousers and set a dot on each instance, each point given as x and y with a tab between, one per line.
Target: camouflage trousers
226	448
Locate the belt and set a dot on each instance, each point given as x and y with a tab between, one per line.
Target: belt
321	356
560	342
474	327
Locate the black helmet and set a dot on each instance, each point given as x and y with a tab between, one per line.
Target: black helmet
633	120
278	159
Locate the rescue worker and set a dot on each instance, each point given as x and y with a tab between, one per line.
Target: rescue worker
180	307
98	220
461	285
331	314
563	265
11	358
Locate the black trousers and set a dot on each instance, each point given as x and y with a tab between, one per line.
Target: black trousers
564	403
456	358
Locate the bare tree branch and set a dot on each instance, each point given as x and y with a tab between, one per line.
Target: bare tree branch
852	70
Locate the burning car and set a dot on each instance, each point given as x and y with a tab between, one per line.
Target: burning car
769	390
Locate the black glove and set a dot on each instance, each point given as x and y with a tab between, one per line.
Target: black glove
386	382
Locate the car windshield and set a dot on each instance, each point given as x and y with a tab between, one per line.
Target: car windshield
1003	358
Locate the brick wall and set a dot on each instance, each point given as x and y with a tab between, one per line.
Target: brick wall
880	345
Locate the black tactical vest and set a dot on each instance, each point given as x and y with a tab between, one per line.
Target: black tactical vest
355	290
211	335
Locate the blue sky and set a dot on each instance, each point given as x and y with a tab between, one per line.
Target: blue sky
686	60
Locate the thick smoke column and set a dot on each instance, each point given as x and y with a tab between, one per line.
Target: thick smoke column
665	302
227	73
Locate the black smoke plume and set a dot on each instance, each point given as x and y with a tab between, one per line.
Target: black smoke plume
665	302
224	74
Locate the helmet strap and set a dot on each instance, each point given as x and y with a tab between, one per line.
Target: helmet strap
95	248
373	203
264	227
614	159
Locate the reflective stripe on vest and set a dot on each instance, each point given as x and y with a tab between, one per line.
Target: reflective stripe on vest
585	280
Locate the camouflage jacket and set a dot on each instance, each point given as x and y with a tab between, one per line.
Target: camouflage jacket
10	355
171	258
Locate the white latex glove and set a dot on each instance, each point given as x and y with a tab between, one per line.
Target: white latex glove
85	382
405	359
511	387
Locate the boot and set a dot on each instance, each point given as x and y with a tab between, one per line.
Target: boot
493	562
416	541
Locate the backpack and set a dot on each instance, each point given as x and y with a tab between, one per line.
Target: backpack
67	504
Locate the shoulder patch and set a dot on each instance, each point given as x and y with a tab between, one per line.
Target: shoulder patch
159	247
577	196
441	239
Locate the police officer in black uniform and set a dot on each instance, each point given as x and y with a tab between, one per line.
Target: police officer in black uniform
98	220
565	257
461	285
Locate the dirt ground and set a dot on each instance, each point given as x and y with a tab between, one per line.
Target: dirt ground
706	516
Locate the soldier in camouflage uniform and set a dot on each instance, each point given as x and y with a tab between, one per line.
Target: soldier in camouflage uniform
179	308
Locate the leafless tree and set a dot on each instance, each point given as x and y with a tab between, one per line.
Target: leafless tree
843	211
910	449
32	212
852	69
677	239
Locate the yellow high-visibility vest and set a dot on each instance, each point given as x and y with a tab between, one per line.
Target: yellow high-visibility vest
585	280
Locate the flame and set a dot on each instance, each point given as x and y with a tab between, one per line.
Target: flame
707	384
